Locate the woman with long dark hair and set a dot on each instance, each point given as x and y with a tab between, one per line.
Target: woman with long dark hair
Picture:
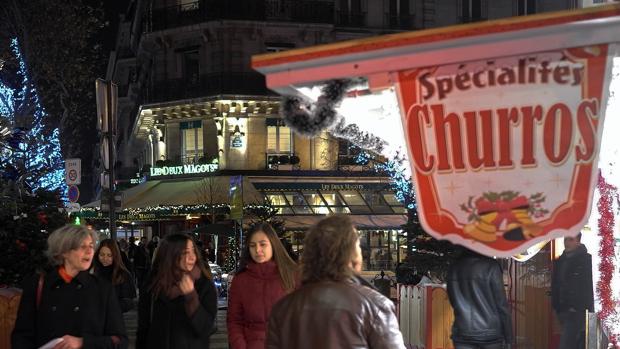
178	305
109	265
266	274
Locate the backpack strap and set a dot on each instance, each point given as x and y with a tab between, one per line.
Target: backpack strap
40	289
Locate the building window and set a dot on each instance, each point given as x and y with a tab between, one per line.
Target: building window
471	11
351	14
347	153
192	141
279	139
191	67
526	7
399	15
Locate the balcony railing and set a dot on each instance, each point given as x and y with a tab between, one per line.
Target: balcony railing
281	161
400	21
464	19
305	11
349	163
208	85
351	19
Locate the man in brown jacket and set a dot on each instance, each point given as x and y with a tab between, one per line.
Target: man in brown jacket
332	309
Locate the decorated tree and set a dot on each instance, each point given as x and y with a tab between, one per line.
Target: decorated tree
31	176
425	254
265	213
232	255
61	45
24	227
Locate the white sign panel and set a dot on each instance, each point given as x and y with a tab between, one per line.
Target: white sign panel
73	171
73	207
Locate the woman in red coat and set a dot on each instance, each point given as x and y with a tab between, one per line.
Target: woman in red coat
266	274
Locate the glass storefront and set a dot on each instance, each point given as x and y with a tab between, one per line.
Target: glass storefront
381	249
319	202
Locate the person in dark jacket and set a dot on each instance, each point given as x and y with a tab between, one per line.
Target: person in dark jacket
141	261
66	303
481	312
265	275
572	291
178	302
109	265
332	309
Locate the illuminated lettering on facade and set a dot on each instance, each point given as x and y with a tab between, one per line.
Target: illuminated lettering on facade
183	170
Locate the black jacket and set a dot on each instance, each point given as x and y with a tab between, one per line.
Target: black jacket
476	292
125	291
571	284
164	324
86	307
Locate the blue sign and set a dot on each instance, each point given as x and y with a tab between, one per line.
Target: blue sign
237	142
73	193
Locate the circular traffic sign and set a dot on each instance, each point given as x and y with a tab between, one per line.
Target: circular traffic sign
73	193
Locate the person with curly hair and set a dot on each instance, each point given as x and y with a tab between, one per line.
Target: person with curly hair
332	309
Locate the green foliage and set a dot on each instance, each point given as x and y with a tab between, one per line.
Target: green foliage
24	227
427	255
265	213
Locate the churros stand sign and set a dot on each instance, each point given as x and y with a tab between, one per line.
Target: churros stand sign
502	120
504	151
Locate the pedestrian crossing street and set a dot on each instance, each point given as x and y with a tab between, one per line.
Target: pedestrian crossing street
219	340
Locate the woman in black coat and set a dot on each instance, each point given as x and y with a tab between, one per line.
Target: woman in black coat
67	304
109	265
178	305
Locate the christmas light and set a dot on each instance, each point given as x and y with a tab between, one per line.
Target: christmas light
605	217
179	210
39	148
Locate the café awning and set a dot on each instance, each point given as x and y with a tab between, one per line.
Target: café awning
199	191
361	222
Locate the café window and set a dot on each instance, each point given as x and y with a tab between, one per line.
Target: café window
192	141
380	249
279	137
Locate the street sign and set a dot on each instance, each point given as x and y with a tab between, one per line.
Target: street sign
73	171
73	207
73	193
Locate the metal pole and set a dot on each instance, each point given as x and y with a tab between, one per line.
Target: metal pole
241	227
112	159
